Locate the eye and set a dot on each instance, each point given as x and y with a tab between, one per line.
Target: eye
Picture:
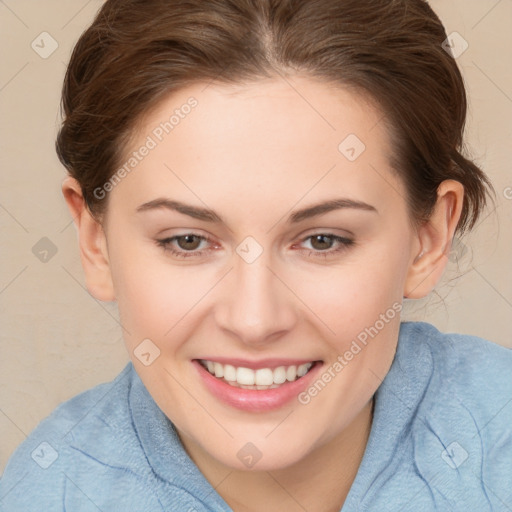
321	244
184	246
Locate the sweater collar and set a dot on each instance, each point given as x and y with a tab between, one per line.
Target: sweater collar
396	402
164	450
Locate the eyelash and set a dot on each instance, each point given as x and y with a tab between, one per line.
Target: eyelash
165	243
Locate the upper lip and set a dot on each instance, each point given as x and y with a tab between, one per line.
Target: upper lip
262	363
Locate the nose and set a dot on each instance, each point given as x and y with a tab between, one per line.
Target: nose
258	307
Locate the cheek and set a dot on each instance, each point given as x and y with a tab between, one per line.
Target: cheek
154	297
351	296
358	306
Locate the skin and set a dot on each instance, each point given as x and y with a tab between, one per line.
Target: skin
256	153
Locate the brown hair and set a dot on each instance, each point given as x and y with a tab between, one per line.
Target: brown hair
138	51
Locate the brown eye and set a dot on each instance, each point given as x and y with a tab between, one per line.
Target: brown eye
188	242
188	245
321	242
325	245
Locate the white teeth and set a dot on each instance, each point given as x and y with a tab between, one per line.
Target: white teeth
279	375
291	373
218	369
303	369
263	378
245	376
229	372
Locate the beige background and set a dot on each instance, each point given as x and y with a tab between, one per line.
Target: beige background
56	340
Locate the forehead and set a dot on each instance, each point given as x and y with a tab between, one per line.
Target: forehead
282	112
279	138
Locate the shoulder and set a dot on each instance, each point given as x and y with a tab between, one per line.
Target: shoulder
468	367
89	455
466	374
460	429
40	472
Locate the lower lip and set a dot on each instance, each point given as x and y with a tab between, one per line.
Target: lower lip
252	399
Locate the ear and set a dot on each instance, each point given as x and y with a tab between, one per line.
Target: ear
92	242
434	241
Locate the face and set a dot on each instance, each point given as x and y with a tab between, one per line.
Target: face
256	241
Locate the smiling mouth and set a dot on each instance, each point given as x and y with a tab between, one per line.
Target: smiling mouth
259	379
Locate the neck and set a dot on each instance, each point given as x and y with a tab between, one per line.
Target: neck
320	481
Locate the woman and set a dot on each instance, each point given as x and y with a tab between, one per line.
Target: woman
259	185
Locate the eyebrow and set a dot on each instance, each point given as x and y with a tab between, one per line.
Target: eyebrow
207	215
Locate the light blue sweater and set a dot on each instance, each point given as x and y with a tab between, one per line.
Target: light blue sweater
441	440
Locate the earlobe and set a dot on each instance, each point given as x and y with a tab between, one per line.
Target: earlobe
92	243
434	239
